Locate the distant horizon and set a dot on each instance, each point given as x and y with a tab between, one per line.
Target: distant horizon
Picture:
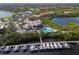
2	5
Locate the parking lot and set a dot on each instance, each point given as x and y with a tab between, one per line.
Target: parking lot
40	49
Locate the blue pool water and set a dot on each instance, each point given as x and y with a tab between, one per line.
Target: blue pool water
47	29
5	14
65	20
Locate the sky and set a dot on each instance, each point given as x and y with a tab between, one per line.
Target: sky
39	1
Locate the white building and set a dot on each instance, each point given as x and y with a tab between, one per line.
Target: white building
35	23
28	13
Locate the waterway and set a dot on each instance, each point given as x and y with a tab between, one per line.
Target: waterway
5	14
65	20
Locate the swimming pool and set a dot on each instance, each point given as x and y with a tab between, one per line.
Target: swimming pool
48	29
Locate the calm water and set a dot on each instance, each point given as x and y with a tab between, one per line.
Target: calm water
65	20
5	14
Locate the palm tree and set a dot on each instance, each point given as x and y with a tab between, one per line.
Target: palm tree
40	36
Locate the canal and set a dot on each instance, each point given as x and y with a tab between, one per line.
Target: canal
65	20
5	14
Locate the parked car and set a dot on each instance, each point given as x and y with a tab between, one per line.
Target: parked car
32	48
36	47
24	48
48	46
56	46
44	46
52	46
2	48
7	49
60	45
67	46
41	47
16	48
